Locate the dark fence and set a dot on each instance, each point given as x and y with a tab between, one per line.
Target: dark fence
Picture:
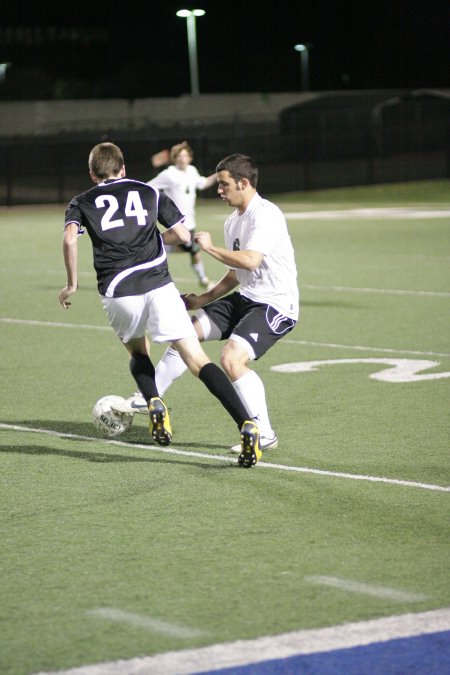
330	142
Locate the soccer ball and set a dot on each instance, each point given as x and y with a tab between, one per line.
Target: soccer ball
108	421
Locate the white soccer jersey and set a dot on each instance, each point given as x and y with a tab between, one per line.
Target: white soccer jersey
262	227
181	186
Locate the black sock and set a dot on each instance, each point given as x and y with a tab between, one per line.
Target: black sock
143	371
219	385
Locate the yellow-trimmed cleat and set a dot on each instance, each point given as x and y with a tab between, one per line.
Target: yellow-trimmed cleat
160	428
264	443
250	447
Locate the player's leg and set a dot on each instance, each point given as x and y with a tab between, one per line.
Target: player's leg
168	369
172	366
250	389
143	371
215	322
127	316
212	377
199	269
136	401
169	316
196	261
141	367
220	386
259	328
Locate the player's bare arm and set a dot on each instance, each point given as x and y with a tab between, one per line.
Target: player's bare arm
210	180
177	234
170	238
222	287
70	253
247	260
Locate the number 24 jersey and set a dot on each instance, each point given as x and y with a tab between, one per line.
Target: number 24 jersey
120	216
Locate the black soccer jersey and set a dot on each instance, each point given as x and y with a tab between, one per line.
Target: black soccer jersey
120	216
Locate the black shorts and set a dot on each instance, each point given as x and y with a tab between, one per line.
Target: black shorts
192	247
258	324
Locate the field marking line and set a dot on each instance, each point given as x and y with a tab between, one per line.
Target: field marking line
402	212
318	287
366	589
381	291
356	289
307	343
284	646
146	622
53	324
224	458
363	348
312	287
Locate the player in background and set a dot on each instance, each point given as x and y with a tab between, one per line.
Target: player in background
260	260
137	292
180	182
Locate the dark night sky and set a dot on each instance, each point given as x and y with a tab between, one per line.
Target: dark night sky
138	49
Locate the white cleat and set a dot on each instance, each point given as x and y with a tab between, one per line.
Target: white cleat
264	444
120	405
137	403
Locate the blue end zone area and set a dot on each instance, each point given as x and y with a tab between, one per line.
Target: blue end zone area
423	655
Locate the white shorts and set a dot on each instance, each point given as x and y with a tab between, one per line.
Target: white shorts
160	312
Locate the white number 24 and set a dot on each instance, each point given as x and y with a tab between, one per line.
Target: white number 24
133	208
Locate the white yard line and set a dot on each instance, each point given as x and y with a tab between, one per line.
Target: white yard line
381	291
363	348
227	458
85	326
397	212
351	586
148	623
52	324
259	650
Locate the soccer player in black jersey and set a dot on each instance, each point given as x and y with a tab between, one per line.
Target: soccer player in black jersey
137	292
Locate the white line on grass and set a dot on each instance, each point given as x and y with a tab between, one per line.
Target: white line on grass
222	458
366	589
312	287
355	289
57	324
53	324
146	622
259	650
402	212
381	291
363	348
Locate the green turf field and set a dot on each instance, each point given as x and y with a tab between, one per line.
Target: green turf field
197	550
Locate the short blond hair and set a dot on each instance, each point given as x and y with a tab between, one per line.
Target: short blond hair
176	149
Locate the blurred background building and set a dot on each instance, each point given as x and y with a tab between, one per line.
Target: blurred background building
321	94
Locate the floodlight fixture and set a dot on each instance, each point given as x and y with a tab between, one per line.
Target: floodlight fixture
304	63
190	15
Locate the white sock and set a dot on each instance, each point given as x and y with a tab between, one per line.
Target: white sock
169	369
251	391
199	269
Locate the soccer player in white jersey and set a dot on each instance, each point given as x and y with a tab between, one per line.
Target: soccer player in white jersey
260	260
120	216
180	182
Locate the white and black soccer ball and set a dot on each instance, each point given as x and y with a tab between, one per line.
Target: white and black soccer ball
107	418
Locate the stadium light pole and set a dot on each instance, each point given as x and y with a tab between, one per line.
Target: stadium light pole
191	15
304	62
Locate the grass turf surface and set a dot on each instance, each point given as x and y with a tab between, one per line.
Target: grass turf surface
196	543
